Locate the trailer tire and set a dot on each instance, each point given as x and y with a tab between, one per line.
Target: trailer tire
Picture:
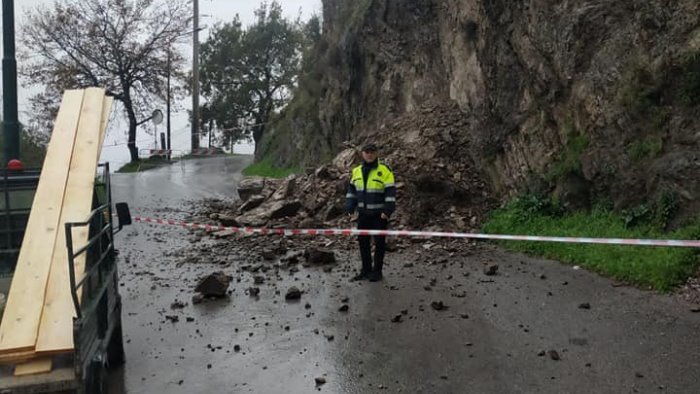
115	349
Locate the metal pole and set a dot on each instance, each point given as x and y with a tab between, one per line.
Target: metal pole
168	107
9	82
195	74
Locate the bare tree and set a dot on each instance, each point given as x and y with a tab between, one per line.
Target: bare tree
120	45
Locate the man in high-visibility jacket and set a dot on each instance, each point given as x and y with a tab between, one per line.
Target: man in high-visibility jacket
372	193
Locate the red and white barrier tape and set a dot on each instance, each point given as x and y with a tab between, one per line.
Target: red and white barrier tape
423	234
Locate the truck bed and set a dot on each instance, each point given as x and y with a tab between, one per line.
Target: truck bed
57	381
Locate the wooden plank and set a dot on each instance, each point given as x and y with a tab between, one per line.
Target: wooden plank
56	329
106	111
34	367
20	324
14	358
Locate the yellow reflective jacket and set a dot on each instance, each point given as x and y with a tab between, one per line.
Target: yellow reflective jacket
374	193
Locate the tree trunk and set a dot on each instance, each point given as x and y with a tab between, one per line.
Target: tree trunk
133	123
257	135
133	149
261	122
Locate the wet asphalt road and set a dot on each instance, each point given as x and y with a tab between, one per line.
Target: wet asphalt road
488	340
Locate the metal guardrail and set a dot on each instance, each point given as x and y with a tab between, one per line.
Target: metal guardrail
98	251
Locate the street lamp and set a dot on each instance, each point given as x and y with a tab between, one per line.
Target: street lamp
9	82
167	87
195	74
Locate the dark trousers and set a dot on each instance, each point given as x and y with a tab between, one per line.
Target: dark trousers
372	222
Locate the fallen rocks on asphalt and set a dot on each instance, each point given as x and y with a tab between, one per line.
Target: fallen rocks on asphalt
344	308
293	294
178	304
491	270
172	318
397	318
554	355
438	306
254	291
228	221
320	381
268	254
584	305
214	285
317	256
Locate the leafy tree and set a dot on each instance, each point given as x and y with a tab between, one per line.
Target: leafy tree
249	73
120	45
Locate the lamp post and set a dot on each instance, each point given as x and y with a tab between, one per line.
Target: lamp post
195	74
167	109
9	83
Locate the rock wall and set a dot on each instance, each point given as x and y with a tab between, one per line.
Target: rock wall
590	100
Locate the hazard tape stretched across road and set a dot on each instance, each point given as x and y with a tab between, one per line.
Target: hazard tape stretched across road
422	234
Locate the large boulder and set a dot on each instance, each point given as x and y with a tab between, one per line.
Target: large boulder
250	186
286	189
282	209
228	221
334	211
271	186
252	203
269	210
317	256
345	160
214	285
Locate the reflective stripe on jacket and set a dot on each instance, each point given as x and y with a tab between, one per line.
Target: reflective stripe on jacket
375	195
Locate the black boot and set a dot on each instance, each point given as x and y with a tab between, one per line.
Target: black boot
375	276
361	276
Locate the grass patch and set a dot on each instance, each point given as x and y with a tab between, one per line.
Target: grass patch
144	165
647	148
659	268
266	168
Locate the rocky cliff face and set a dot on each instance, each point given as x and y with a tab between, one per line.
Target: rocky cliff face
590	100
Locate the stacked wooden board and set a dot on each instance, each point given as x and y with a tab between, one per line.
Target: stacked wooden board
38	319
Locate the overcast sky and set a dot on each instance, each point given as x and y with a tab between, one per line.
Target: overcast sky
211	12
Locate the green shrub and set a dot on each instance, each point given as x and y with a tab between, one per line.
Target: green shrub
660	268
647	148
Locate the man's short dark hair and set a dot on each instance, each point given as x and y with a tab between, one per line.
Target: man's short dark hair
369	148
